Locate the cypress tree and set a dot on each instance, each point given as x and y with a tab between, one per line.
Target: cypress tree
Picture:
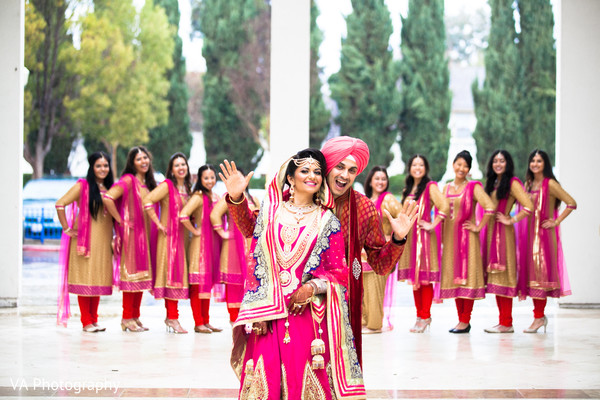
365	86
175	135
426	97
496	103
538	85
319	115
223	24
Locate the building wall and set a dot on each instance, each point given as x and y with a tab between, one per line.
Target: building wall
578	143
11	147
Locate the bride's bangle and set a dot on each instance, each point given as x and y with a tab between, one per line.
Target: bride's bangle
237	202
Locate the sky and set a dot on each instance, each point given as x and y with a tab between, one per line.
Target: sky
331	22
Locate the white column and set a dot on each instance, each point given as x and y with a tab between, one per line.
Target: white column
578	143
290	79
12	23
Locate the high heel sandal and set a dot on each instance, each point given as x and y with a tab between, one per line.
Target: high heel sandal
467	329
202	329
212	328
174	326
421	325
534	330
139	323
130	325
90	328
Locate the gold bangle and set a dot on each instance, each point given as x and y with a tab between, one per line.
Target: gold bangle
237	203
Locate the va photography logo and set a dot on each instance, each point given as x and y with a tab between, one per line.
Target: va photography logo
75	386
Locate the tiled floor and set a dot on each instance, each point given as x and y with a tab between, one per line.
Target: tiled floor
39	359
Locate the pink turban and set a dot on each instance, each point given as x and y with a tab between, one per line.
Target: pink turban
339	148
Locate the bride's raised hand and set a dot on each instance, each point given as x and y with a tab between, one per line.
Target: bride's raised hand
234	181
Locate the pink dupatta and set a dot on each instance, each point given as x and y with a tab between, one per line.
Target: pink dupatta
132	232
84	220
64	305
495	258
79	210
390	284
543	263
461	235
420	254
175	245
210	273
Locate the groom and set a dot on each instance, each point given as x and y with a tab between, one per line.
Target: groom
346	158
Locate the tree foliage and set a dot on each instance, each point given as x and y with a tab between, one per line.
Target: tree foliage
236	47
496	103
538	85
175	134
319	114
426	97
365	86
48	54
121	66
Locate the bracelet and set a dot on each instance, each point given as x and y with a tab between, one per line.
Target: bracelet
399	242
313	286
513	220
305	302
67	230
237	203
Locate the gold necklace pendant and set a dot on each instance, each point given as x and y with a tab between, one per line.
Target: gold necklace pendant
299	212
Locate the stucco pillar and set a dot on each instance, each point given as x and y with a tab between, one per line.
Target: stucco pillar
578	143
290	79
12	23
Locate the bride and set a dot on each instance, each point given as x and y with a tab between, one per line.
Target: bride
293	321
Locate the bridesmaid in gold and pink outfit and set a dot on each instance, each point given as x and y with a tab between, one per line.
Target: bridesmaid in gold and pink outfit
462	266
205	247
419	264
499	246
85	255
135	242
543	274
171	267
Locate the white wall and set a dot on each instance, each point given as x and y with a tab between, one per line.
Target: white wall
578	142
290	79
11	147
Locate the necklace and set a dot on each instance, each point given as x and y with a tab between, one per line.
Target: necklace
456	187
299	212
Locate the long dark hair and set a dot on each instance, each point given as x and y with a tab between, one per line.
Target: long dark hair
503	189
187	181
130	166
368	186
409	182
199	186
547	170
309	152
95	201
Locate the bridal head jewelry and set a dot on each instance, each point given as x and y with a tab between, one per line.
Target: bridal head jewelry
305	162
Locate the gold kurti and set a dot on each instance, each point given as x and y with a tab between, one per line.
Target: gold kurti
374	285
161	287
137	282
475	285
438	200
504	283
90	276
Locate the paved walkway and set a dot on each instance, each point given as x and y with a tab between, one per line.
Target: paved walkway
39	359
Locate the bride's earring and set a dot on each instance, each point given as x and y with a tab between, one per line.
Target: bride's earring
292	193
